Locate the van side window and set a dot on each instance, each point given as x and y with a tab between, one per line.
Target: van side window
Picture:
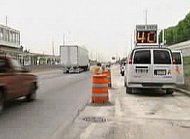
162	57
177	57
142	57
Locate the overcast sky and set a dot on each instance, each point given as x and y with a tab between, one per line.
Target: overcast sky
102	26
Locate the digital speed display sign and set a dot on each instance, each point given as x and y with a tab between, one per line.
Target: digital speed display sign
146	35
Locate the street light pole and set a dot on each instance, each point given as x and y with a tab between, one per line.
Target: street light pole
146	16
6	20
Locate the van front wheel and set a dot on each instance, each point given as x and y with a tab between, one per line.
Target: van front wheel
169	91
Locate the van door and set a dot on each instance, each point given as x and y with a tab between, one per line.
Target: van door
141	67
178	67
162	66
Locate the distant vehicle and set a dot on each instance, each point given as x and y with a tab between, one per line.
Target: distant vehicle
113	60
178	67
15	81
74	59
122	69
150	67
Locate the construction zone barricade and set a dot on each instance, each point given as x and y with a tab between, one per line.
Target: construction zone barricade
109	79
100	89
108	75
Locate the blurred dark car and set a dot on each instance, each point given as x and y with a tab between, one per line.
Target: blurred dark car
15	81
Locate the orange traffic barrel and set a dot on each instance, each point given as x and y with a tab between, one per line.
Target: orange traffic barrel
108	75
100	89
109	78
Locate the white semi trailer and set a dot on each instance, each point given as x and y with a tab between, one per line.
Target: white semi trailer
74	58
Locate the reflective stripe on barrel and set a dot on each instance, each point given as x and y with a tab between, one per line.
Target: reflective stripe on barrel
108	75
95	85
100	95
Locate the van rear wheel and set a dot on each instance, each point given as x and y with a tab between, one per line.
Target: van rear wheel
169	91
128	90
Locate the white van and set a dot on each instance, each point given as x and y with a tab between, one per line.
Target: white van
150	67
178	67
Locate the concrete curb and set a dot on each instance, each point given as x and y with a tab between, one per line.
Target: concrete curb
183	91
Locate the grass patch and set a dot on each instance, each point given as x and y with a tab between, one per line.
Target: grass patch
186	60
186	67
186	70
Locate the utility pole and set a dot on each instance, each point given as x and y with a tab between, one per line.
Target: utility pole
163	33
6	20
64	39
53	47
146	16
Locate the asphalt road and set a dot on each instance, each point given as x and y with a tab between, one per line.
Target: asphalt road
60	98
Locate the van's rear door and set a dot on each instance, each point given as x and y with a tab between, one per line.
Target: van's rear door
178	67
162	66
141	67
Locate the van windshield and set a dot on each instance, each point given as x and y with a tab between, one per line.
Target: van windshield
142	57
162	57
177	57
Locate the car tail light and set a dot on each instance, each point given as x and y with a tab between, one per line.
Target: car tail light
130	60
173	60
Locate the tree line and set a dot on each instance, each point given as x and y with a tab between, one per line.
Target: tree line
178	33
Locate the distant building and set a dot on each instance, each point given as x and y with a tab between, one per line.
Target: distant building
9	36
10	41
10	45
